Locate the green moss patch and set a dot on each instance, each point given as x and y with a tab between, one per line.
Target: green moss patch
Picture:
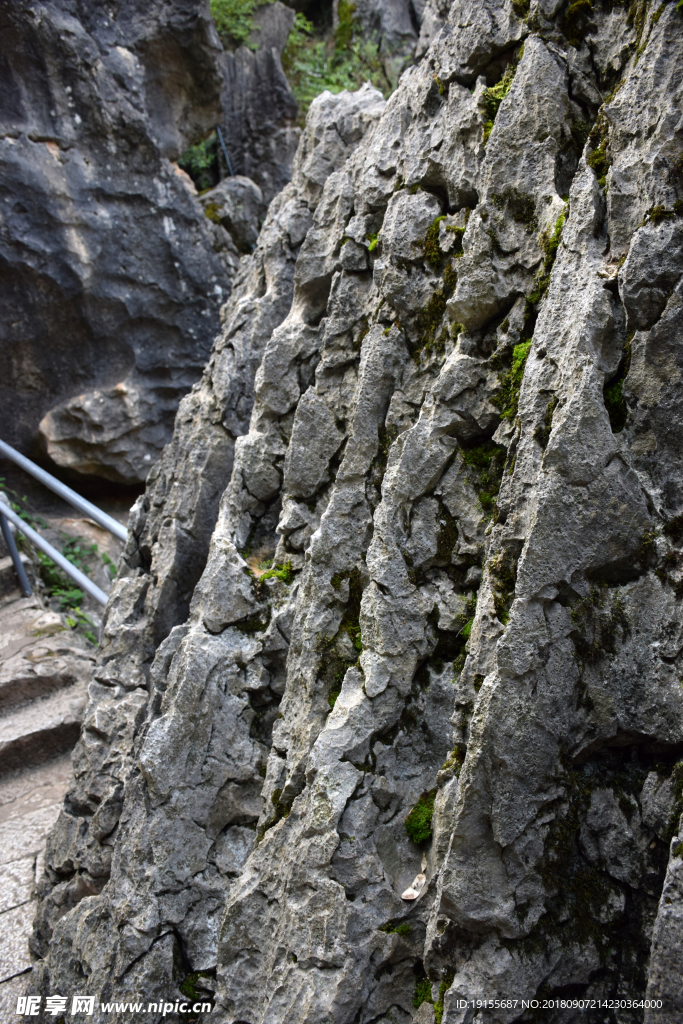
542	433
519	205
599	157
443	989
598	624
487	460
454	761
284	573
350	622
494	96
575	21
503	577
430	318
510	382
430	244
402	928
419	821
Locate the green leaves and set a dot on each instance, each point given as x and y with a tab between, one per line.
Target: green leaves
234	21
314	64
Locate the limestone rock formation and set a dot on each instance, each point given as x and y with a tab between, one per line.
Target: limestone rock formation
259	111
445	405
112	278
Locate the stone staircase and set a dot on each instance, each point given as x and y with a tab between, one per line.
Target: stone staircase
44	672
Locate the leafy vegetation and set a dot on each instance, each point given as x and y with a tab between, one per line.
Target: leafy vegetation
455	760
234	20
598	142
423	993
313	62
58	586
201	163
597	629
430	246
542	433
419	821
549	244
332	697
503	576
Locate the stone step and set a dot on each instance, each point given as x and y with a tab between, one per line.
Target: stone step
30	802
38	654
42	729
9	584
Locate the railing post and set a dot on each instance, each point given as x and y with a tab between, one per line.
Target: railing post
24	584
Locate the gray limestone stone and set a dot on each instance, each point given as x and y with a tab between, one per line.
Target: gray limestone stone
475	595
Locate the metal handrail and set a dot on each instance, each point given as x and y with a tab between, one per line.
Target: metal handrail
68	567
90	510
24	584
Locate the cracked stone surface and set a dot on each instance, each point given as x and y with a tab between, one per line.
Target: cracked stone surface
113	276
414	552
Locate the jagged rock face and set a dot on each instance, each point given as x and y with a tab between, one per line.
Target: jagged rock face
112	277
463	456
259	109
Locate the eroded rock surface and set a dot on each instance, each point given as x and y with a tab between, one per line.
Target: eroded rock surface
112	277
445	405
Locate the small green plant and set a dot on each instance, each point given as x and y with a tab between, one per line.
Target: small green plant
423	993
574	20
58	585
438	1005
455	761
494	96
503	576
200	161
458	232
598	628
313	63
510	382
542	433
284	573
332	697
372	242
403	928
109	565
419	821
189	988
598	144
488	460
430	245
234	21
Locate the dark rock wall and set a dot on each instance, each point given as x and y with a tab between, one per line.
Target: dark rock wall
259	110
109	280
